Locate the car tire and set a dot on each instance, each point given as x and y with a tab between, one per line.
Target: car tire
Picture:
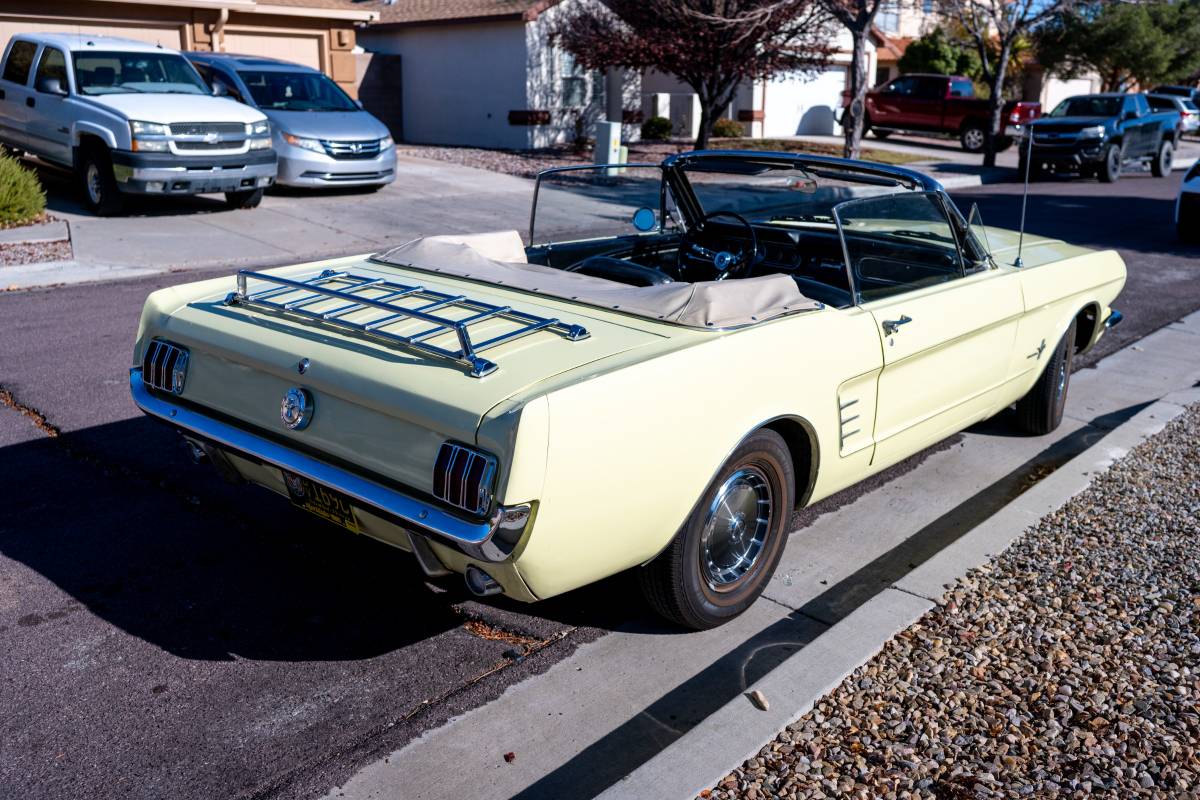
881	134
1003	143
100	191
973	138
1035	169
247	199
1187	227
1161	166
717	565
1041	410
1109	170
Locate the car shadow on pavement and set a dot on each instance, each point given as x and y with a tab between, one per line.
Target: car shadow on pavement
202	570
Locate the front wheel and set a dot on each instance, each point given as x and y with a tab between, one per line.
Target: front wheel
1187	227
249	199
1161	167
973	138
100	190
721	560
881	134
1110	167
1041	410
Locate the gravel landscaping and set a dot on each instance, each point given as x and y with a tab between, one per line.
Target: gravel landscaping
34	252
1068	667
528	163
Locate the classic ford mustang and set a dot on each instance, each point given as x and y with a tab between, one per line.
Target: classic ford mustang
656	390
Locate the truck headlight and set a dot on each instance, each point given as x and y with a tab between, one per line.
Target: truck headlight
260	128
1094	132
138	128
307	144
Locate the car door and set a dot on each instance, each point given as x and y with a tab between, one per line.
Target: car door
48	119
1137	126
928	103
946	324
15	92
890	103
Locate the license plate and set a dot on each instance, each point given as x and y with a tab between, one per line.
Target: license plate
321	501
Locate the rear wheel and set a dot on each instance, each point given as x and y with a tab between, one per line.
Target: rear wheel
881	134
972	138
1187	227
1110	168
721	560
1161	166
100	190
248	199
1041	410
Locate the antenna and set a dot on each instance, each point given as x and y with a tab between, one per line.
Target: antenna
1019	263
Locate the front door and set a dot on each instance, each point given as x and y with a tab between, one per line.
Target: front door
49	117
946	330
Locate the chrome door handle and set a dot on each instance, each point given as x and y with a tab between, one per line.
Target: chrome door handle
891	326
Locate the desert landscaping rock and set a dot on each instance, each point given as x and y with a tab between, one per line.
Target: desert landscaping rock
1068	667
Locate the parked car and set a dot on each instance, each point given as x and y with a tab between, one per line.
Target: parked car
1189	114
657	395
129	118
1099	134
323	137
942	104
1190	92
1187	206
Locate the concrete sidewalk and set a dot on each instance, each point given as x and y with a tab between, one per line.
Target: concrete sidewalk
606	711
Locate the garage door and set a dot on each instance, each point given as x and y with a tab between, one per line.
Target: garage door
164	34
297	48
798	104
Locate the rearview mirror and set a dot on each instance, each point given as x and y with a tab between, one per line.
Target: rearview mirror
645	220
51	86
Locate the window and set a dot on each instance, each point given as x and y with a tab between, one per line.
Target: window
888	18
1161	103
881	74
294	91
926	6
135	73
53	64
897	243
20	62
574	81
931	88
905	86
961	88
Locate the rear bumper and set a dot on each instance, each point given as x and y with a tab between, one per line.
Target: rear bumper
474	537
165	173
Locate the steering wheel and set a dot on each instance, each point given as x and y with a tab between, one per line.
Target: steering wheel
725	263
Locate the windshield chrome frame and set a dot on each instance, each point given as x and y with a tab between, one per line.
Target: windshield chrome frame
537	186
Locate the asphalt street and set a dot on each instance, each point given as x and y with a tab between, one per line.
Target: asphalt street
164	634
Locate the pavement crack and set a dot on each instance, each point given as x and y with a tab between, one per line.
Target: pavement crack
914	594
38	419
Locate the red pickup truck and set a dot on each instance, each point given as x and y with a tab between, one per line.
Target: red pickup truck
943	104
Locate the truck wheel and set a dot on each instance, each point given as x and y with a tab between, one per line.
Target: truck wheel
248	199
723	557
881	134
1041	410
1003	143
1161	166
1110	168
972	138
100	190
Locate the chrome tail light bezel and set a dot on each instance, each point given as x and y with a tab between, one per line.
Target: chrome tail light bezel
465	477
165	366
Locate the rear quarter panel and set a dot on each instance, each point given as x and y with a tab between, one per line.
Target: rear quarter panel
629	452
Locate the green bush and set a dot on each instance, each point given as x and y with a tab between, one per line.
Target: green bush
725	128
656	129
21	197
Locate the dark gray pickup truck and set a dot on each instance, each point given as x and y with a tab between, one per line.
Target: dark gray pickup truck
1098	134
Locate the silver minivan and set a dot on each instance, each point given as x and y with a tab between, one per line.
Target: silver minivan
322	136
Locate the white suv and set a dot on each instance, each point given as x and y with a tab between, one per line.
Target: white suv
130	117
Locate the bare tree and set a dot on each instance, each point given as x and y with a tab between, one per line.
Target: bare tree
858	17
993	27
711	45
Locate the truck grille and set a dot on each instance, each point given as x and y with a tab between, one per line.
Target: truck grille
368	148
463	478
231	129
164	366
206	136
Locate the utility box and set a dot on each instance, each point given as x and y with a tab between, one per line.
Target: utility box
608	144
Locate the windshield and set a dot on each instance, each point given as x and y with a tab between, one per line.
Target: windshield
143	73
296	91
582	203
1088	107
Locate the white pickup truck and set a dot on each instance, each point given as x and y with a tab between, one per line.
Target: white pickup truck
129	117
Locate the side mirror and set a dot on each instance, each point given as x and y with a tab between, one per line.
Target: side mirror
219	89
359	103
645	220
51	86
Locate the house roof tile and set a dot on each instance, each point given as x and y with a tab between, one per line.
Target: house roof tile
401	12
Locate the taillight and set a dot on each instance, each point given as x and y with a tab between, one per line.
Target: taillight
463	477
164	366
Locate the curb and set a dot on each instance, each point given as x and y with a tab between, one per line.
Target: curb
55	231
738	730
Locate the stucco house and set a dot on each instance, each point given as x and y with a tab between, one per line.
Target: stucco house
319	33
485	73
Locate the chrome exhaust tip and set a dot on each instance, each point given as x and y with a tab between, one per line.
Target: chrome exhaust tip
480	583
196	450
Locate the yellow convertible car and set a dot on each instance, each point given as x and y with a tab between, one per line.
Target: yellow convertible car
676	358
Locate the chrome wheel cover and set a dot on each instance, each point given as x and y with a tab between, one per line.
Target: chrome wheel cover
974	139
736	528
94	189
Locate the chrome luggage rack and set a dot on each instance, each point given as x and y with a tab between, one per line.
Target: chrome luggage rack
296	299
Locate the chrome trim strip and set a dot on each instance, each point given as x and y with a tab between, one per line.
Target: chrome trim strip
472	537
